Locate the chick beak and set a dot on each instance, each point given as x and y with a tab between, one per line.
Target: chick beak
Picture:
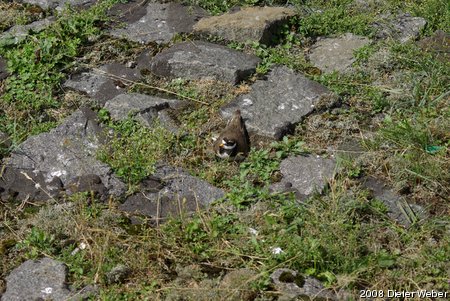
221	145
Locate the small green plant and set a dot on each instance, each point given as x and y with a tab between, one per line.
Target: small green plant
37	243
134	149
287	147
77	261
363	54
258	171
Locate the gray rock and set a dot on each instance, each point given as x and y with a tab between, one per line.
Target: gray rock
274	106
340	49
197	60
179	183
294	286
143	61
235	285
259	24
117	274
27	184
60	4
104	83
305	174
157	22
68	151
87	183
18	33
3	69
169	123
401	27
398	208
143	107
155	208
180	193
43	279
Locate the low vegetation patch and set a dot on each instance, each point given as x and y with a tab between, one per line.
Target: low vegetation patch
31	102
394	103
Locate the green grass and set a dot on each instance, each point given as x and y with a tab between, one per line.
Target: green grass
216	7
343	236
38	65
346	240
135	149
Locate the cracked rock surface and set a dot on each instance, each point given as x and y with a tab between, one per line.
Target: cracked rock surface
275	105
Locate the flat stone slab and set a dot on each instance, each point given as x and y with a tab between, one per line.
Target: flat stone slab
398	208
88	183
144	108
68	151
305	174
170	192
18	33
60	4
179	183
104	83
22	184
402	27
274	106
293	286
259	24
43	279
340	49
157	22
203	60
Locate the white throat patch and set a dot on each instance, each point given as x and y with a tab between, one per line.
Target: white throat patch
225	146
223	155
